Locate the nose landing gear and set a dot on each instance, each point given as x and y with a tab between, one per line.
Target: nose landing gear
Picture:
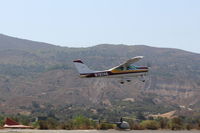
142	78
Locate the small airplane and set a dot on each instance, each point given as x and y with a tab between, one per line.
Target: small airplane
121	125
124	71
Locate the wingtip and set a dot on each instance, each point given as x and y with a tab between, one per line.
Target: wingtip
78	61
139	57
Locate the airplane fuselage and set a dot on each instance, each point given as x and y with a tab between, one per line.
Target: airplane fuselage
116	73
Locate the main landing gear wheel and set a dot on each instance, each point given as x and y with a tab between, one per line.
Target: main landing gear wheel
128	80
121	82
147	82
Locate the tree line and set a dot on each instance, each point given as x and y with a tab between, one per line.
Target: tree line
82	122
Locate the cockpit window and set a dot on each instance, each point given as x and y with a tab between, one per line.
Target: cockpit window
119	68
127	68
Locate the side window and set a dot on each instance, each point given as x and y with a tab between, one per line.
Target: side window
131	67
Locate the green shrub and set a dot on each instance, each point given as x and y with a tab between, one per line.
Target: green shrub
136	126
150	124
36	125
43	125
188	127
163	122
105	126
176	124
81	122
1	121
68	125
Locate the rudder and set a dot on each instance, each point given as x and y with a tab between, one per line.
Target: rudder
81	67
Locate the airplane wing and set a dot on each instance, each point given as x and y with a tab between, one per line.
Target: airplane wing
129	62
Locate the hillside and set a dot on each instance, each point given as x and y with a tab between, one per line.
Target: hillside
37	76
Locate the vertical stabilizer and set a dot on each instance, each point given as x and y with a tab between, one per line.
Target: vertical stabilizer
81	67
10	122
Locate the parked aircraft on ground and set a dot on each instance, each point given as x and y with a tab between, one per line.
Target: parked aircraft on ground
120	125
9	123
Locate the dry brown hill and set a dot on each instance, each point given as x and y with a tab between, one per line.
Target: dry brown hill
34	74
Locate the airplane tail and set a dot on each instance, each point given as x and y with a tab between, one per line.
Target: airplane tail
81	67
11	122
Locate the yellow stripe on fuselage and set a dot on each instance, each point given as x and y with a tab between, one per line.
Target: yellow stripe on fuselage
128	71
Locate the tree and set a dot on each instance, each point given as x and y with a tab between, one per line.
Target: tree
176	124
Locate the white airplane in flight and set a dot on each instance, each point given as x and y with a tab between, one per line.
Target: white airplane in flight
124	71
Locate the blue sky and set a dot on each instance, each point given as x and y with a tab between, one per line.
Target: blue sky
83	23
